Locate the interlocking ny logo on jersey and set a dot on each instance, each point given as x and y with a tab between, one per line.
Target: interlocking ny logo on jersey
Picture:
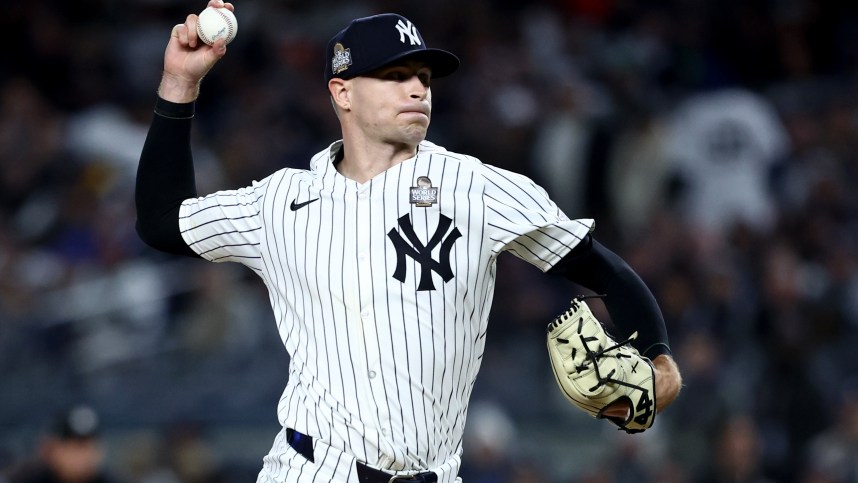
421	253
408	29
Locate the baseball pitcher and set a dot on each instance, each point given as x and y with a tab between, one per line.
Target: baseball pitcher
379	259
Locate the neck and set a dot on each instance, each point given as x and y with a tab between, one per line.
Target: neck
363	161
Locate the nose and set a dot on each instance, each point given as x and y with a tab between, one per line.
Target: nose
417	89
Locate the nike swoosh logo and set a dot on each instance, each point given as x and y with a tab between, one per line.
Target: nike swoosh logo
297	206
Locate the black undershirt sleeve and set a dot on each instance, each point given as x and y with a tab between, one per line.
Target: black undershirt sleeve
165	177
630	303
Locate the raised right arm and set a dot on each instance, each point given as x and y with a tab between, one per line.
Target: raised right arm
165	175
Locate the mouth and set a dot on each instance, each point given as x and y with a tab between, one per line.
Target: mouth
416	110
420	113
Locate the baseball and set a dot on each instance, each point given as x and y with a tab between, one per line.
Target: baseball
216	23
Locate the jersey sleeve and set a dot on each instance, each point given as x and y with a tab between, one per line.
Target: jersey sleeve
225	226
524	221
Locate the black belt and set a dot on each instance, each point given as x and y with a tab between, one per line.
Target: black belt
303	444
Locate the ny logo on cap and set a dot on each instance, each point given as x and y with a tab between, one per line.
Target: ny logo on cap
408	29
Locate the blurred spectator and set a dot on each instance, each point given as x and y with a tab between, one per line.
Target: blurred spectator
738	454
832	456
492	450
700	410
190	455
489	444
637	174
71	452
562	148
722	147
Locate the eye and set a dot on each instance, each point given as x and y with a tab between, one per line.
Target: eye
395	75
403	74
425	77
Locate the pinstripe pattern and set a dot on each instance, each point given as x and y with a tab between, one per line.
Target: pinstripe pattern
380	371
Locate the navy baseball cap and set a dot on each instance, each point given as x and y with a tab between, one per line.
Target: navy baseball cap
370	43
79	422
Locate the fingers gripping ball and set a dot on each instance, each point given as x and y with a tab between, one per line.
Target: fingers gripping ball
216	23
594	371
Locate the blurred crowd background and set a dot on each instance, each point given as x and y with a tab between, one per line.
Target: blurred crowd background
715	143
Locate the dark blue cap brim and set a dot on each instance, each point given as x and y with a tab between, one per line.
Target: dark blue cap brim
441	62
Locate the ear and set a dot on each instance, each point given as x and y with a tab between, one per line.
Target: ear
339	90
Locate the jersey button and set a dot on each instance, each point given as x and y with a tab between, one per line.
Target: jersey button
362	196
372	374
365	314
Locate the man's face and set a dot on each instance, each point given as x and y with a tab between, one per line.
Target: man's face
73	460
394	104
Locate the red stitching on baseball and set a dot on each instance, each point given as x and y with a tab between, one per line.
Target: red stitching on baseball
229	25
226	19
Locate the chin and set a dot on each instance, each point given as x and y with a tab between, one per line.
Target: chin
414	135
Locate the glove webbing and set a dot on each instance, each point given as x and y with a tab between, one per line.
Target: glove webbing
594	356
594	360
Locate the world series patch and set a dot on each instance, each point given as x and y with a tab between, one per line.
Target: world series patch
424	194
342	58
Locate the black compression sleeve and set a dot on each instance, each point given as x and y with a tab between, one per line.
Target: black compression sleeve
630	303
165	177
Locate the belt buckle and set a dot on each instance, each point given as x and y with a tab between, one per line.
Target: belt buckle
395	478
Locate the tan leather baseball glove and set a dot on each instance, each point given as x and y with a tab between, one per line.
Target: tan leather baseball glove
594	371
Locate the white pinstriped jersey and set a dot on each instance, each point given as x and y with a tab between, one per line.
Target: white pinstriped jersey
381	302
